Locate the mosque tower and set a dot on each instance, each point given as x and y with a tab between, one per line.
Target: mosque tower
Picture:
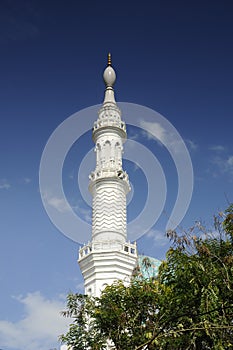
109	256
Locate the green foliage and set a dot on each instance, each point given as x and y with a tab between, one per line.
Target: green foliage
83	333
228	222
188	306
126	314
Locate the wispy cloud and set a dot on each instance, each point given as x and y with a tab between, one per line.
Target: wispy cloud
224	164
86	213
193	146
4	184
159	237
27	180
230	162
40	326
157	133
217	148
60	204
167	137
222	160
134	136
63	206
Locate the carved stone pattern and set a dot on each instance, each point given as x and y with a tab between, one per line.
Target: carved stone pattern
109	154
109	212
109	116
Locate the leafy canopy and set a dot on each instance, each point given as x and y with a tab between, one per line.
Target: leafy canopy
189	305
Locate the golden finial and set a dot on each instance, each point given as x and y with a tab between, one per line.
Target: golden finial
109	59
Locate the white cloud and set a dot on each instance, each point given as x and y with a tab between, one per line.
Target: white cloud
225	164
40	326
159	237
168	138
4	184
133	136
191	145
85	212
27	180
63	206
60	204
230	162
217	148
156	131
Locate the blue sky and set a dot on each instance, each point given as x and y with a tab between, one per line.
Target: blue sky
174	57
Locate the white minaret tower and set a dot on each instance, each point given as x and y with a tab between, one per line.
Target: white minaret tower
108	257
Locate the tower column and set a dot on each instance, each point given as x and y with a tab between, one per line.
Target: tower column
108	256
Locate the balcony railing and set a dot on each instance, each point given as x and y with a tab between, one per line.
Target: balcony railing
127	248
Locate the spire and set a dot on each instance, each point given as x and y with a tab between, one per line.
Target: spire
109	79
109	59
109	113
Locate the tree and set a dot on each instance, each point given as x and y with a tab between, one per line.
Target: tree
189	305
198	274
83	333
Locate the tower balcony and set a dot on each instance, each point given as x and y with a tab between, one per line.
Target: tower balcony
109	123
116	126
105	246
109	173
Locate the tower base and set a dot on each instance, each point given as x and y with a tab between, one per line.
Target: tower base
103	263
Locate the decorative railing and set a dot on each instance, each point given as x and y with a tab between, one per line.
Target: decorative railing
127	248
109	122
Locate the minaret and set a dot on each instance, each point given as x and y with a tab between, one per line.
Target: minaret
108	257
